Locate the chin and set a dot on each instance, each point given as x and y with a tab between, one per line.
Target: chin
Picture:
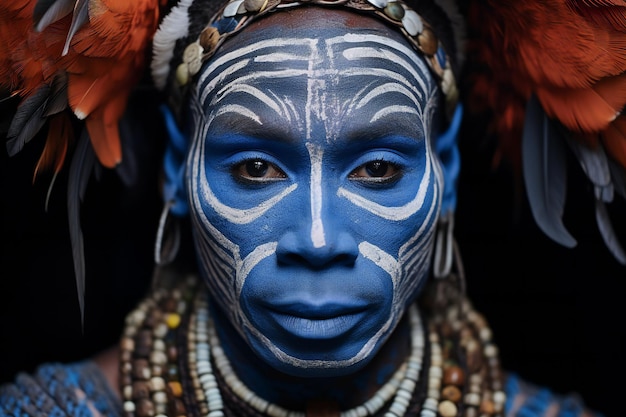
316	358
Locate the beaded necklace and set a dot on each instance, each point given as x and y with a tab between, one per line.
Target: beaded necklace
170	349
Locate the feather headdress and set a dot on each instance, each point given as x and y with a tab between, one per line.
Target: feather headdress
70	61
552	75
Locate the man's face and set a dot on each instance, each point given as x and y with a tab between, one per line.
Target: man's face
314	191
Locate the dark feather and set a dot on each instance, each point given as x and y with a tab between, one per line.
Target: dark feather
57	102
49	11
79	18
608	234
80	171
28	120
618	176
545	172
595	165
131	133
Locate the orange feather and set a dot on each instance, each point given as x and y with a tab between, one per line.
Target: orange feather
60	136
105	60
571	54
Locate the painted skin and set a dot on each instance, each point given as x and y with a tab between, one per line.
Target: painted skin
314	192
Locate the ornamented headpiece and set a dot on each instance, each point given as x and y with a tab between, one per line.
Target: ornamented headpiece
173	71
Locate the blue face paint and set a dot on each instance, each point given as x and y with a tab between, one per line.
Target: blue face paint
314	193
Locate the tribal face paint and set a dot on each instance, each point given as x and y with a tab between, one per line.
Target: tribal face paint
314	191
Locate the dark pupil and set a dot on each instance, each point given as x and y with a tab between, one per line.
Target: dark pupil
376	168
256	168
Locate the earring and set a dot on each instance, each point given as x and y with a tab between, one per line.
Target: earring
449	283
444	242
168	237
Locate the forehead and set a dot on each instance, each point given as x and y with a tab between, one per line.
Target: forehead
311	43
318	76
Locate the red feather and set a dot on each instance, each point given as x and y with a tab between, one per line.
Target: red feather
570	54
104	62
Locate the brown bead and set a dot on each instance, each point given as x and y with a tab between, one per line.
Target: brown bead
126	379
145	408
177	407
141	369
486	406
452	393
496	384
474	360
172	353
169	304
143	347
152	318
447	348
126	356
453	375
141	390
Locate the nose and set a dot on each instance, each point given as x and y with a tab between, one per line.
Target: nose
298	249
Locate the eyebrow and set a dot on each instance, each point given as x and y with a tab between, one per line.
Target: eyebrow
389	125
246	126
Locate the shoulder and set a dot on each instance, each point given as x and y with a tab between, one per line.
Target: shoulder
528	400
77	389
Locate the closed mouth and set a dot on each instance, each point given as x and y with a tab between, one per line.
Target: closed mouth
317	322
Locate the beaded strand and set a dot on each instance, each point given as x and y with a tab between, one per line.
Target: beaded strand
463	379
402	384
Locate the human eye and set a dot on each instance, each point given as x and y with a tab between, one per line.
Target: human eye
377	171
257	170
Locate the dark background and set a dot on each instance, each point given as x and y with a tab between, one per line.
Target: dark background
557	313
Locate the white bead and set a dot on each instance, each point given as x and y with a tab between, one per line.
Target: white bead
434	383
397	409
430	404
472	399
499	397
361	411
129	406
378	3
159	397
402	401
491	351
275	411
407	385
435	372
231	9
428	413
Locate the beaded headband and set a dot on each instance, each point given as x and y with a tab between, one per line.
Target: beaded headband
235	15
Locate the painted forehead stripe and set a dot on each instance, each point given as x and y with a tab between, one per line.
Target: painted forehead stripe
408	67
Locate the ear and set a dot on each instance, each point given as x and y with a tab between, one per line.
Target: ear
174	166
447	150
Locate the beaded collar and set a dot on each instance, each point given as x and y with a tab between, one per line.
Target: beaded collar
237	14
172	363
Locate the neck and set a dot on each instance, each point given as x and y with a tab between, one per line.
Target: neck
296	393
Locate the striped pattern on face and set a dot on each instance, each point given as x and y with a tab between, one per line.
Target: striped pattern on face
245	83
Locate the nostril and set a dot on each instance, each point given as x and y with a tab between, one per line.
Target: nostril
295	250
344	259
316	262
291	259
